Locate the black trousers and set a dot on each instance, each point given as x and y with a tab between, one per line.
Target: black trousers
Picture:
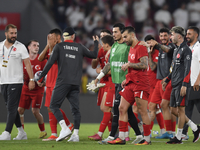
11	94
71	92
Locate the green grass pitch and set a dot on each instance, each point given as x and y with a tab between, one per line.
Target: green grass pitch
34	143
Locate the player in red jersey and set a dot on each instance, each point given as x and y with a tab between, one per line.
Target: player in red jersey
135	87
53	38
35	96
106	93
151	71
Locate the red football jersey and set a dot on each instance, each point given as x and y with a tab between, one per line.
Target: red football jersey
102	61
52	74
36	66
152	74
138	76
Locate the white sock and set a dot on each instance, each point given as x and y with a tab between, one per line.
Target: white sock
139	136
100	134
76	131
122	135
147	138
162	131
20	129
179	133
55	134
192	125
126	134
63	124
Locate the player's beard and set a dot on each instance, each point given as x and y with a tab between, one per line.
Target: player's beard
12	40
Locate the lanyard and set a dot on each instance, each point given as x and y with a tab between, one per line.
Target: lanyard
8	53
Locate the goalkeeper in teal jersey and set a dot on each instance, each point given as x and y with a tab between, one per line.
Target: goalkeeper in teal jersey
118	56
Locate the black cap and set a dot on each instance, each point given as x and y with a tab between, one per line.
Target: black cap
68	31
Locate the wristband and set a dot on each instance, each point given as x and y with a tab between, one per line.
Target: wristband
101	75
31	80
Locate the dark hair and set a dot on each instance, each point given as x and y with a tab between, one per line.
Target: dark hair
129	29
108	39
149	37
179	30
196	29
120	26
56	31
164	30
29	43
10	26
107	31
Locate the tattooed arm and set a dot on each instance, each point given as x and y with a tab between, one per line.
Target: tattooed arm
160	46
152	64
105	70
143	64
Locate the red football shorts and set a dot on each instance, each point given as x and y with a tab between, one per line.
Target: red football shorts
110	97
129	95
101	93
167	92
25	101
49	91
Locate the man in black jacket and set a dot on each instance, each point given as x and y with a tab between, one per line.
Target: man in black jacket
69	57
180	77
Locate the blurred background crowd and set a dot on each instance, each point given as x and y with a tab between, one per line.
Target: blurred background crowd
89	17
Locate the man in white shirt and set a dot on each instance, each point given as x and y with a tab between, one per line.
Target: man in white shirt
192	38
12	53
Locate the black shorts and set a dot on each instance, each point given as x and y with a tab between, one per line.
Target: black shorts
175	98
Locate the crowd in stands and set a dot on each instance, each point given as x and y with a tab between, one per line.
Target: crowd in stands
89	17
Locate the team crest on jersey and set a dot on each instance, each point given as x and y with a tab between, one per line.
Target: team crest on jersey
178	56
132	56
188	57
37	67
14	49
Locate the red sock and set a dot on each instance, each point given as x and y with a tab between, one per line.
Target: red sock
65	117
136	115
160	120
105	121
168	125
151	125
146	129
174	126
41	126
23	126
110	125
123	126
53	123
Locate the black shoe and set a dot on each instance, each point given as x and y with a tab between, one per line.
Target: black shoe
196	134
174	141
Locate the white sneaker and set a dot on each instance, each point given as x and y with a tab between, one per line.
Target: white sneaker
64	134
74	138
138	139
21	136
105	141
5	136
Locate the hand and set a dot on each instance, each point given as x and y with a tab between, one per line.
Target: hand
196	86
151	50
125	66
95	38
107	55
123	84
183	91
51	40
98	70
153	43
164	84
96	81
163	80
31	85
144	44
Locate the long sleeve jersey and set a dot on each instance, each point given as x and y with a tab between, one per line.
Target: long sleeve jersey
69	57
181	63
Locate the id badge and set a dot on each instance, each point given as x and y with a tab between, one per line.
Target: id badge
5	62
